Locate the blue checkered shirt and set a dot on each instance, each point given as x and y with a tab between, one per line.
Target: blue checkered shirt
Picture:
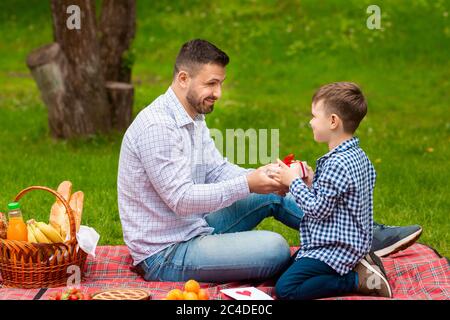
338	210
170	176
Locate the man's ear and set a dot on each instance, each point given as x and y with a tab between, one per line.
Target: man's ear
334	121
183	79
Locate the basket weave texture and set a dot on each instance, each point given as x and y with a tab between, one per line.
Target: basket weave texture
41	265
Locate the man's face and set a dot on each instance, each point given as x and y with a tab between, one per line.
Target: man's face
205	88
320	122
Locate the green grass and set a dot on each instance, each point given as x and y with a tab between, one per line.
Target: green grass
280	53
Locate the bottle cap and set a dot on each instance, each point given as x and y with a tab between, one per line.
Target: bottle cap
13	205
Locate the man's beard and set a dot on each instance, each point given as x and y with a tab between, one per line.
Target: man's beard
198	104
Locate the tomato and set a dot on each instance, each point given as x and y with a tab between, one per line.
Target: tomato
73	290
73	297
70	294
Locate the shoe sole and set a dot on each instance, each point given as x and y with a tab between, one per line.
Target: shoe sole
368	266
375	260
400	245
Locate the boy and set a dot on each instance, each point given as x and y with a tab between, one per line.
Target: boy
336	229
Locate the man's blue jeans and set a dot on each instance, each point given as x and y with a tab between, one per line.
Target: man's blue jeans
233	252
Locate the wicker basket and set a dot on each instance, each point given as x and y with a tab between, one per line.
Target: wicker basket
40	265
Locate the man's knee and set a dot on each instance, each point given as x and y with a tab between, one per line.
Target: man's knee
266	199
276	248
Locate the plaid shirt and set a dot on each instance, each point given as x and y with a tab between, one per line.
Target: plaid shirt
338	214
170	176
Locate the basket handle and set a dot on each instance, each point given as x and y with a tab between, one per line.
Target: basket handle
69	210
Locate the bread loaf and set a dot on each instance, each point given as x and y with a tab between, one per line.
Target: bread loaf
76	204
58	216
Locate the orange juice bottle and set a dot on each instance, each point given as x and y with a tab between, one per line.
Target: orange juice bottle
17	229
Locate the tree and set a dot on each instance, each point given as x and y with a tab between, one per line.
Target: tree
85	76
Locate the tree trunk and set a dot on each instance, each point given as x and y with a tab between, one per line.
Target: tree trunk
86	95
50	68
120	96
117	28
71	73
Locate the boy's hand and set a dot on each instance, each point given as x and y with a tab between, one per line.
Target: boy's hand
285	174
309	176
271	169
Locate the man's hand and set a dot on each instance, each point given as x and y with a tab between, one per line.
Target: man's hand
283	191
259	181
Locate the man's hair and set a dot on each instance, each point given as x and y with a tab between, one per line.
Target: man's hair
344	99
197	52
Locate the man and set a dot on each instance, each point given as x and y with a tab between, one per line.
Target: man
186	212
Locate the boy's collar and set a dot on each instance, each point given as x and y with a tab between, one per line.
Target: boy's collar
347	144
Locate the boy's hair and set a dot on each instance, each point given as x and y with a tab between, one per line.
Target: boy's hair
197	52
344	99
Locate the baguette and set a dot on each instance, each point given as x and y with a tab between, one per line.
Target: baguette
58	217
64	189
76	204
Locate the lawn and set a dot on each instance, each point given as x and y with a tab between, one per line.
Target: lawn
280	53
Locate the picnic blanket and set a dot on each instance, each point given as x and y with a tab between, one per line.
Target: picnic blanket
418	272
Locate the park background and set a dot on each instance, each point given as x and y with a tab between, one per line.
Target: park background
281	52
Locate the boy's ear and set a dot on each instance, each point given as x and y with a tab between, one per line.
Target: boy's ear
334	121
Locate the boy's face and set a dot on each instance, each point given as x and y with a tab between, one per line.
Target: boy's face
320	122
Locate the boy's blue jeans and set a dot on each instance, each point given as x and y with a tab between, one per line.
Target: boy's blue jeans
307	279
233	252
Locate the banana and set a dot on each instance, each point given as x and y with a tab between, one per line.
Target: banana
49	232
31	237
40	237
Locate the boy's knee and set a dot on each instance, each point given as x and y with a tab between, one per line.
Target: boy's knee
281	291
284	290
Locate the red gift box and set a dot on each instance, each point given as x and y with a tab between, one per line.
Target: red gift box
290	159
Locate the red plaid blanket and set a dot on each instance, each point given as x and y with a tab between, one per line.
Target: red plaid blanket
415	273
